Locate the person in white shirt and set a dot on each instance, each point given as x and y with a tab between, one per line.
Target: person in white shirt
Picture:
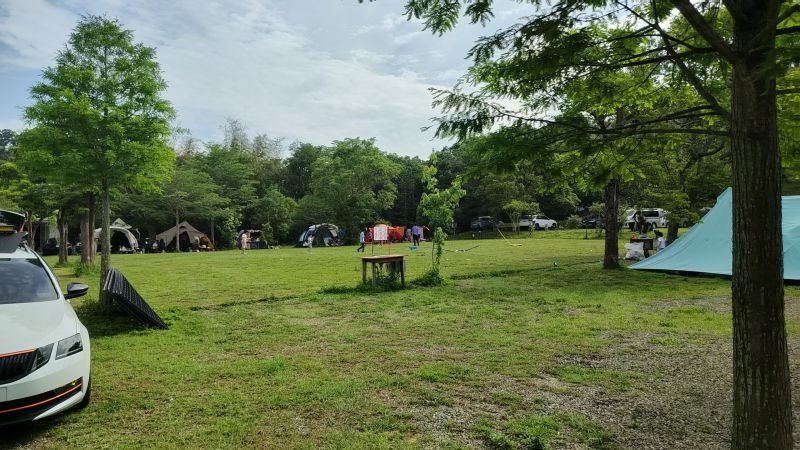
662	241
361	240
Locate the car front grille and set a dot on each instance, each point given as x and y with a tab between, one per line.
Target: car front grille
14	366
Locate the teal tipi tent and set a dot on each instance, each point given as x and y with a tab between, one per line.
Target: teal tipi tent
707	246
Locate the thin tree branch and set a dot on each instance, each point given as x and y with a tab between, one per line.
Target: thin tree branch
787	30
696	20
788	13
735	11
787	91
690	75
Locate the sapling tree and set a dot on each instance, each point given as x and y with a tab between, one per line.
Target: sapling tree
437	205
516	208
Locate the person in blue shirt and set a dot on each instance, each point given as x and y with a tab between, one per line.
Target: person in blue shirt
416	231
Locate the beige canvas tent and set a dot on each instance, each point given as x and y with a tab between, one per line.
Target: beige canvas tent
184	234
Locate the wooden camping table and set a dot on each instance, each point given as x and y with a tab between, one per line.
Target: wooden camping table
396	263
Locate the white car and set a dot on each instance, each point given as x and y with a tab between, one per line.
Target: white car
542	222
44	348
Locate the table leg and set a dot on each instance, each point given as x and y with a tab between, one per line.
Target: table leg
403	273
374	274
364	271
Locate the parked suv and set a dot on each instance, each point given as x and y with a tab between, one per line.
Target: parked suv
542	222
44	348
483	223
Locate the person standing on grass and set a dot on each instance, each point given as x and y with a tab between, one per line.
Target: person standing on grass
416	230
244	241
361	240
662	241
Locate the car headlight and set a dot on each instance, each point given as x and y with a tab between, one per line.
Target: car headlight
69	346
42	356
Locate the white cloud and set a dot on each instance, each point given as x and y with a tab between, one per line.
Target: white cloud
344	70
29	43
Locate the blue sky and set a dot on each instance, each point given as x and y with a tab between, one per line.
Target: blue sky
309	70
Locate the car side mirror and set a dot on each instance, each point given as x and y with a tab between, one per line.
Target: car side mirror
75	290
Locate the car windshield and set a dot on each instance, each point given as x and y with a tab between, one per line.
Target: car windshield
25	281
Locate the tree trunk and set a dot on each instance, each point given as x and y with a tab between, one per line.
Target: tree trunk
611	197
105	234
213	241
672	232
87	232
178	234
63	238
762	413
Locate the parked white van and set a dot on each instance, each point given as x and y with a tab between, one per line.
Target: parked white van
657	217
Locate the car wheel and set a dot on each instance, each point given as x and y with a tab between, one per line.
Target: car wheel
86	397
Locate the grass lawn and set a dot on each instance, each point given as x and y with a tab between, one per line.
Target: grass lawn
515	352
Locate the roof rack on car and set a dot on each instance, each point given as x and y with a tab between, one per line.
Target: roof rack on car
11	235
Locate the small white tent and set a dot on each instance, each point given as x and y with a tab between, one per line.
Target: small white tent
122	240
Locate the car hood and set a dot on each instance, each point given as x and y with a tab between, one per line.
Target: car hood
31	325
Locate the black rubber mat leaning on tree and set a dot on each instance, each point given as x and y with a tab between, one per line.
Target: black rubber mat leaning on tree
117	289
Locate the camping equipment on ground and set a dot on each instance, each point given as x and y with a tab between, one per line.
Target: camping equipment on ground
635	251
117	290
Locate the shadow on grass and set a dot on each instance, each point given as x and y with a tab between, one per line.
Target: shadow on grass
270	299
20	435
101	320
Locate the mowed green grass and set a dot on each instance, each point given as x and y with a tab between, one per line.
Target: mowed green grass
259	356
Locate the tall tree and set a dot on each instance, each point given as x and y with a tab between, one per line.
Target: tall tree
753	42
298	169
192	193
7	139
100	115
356	180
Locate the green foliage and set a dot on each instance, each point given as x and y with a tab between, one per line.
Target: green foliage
13	184
429	279
516	208
99	112
299	166
274	211
352	184
228	228
572	222
530	433
437	206
7	140
191	193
